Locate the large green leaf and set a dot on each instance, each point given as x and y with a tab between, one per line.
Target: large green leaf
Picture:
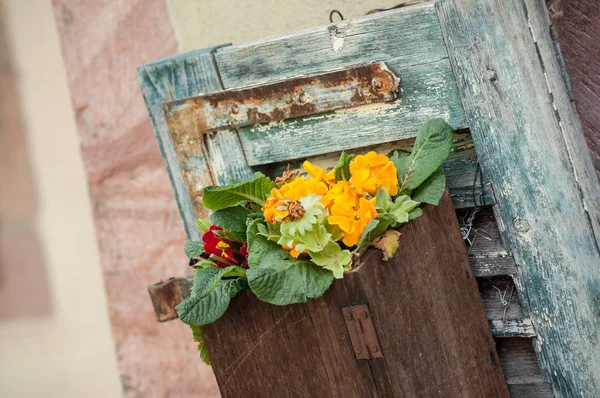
233	220
197	334
201	310
193	249
207	279
431	149
432	189
342	169
277	278
254	190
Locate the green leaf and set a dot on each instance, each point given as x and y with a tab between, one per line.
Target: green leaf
342	169
415	213
197	333
202	310
233	220
254	190
277	278
193	249
332	258
431	149
203	224
403	205
432	189
375	229
207	279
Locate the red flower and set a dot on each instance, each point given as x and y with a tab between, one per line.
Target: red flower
244	251
227	252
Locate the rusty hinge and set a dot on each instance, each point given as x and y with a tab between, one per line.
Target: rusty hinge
301	96
362	332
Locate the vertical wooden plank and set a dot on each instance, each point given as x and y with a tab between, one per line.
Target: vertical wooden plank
169	79
530	146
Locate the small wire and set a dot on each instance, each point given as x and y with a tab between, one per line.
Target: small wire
332	13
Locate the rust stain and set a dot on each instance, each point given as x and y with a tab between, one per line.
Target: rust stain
284	100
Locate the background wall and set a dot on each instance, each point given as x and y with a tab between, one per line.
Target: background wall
63	348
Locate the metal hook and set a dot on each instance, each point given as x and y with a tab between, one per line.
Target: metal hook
335	12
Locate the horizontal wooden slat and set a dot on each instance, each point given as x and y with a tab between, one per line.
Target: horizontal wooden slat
412	34
426	91
503	308
521	368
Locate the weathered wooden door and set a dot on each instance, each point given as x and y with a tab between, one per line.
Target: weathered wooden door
520	176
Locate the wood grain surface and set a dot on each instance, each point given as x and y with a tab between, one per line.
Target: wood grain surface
426	311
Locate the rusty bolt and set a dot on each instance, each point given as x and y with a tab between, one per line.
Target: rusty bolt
374	348
521	225
302	98
377	83
348	316
235	109
364	315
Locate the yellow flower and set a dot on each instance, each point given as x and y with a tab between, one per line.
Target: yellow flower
319	173
302	187
277	205
352	220
343	192
372	171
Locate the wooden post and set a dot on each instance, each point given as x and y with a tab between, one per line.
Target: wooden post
530	146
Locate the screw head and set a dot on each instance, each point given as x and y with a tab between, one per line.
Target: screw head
234	108
377	83
302	97
521	225
364	315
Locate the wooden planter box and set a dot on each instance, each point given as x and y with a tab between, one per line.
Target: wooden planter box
412	326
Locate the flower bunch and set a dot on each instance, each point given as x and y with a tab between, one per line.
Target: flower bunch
288	239
323	216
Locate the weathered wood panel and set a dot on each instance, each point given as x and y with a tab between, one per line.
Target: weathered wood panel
410	43
412	34
428	286
530	146
426	91
169	79
521	369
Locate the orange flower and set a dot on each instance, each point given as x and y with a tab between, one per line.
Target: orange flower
343	192
352	219
277	205
372	171
319	173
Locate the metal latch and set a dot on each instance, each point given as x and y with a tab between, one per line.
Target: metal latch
362	332
288	99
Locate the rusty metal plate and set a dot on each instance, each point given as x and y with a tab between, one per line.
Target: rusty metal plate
287	99
362	332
